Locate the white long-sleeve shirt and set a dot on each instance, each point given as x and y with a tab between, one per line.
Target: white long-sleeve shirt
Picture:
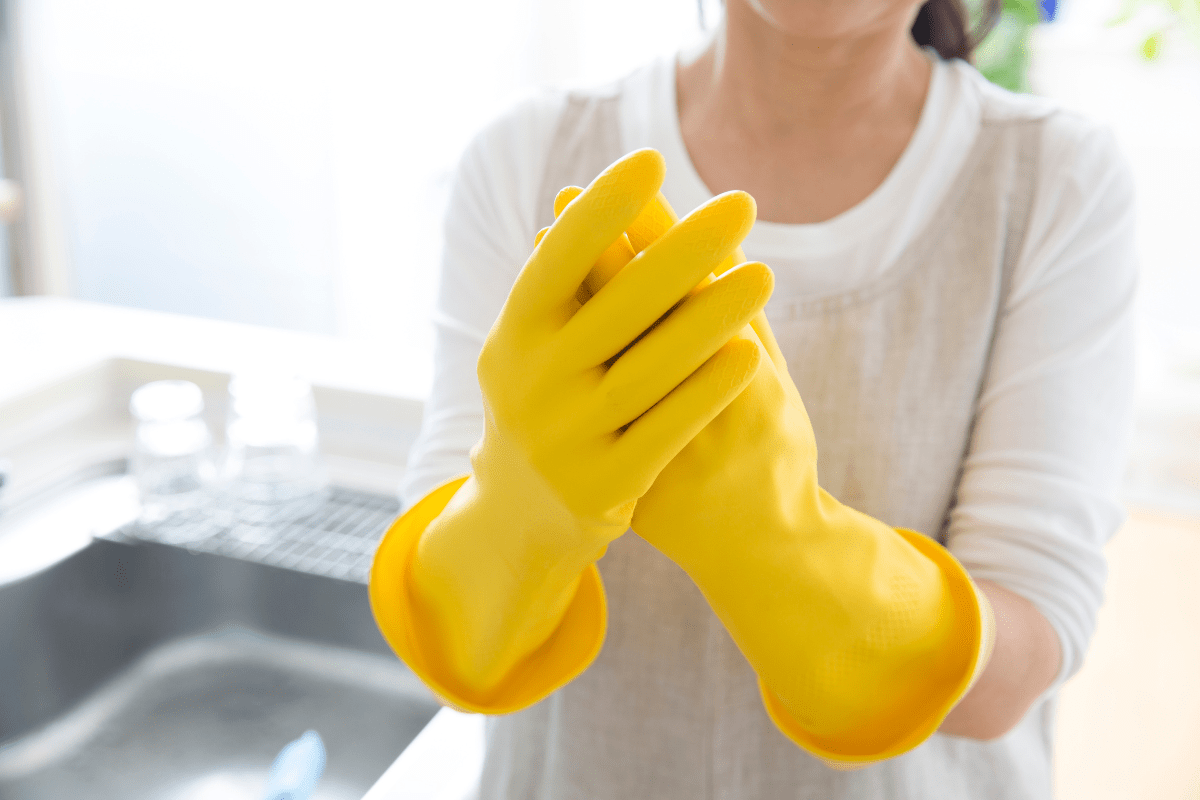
1037	498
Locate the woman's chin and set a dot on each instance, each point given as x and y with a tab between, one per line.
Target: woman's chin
827	19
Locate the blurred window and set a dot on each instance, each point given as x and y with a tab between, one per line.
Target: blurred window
286	163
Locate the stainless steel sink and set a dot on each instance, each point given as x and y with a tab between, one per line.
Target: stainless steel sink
144	670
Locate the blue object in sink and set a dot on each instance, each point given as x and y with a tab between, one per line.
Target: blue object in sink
297	769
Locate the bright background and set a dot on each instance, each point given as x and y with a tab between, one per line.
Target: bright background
286	163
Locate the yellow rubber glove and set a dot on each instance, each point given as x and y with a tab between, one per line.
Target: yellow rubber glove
863	636
487	587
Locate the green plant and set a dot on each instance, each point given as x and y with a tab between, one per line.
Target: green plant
1181	16
1003	56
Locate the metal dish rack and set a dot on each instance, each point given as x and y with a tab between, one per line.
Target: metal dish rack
333	535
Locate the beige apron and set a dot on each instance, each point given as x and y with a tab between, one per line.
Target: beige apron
890	374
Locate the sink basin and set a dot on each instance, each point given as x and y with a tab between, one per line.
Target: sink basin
144	670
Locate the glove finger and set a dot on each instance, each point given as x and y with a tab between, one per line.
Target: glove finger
681	343
655	220
610	263
657	279
611	260
548	282
658	435
734	258
564	197
762	329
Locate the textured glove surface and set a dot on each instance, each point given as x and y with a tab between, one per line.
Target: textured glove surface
581	404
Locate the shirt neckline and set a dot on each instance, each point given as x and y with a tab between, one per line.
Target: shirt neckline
685	188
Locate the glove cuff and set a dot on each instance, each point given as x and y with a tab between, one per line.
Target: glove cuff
568	651
970	646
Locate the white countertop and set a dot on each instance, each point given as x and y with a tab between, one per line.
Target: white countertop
67	369
47	338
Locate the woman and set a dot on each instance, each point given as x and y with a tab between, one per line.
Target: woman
953	274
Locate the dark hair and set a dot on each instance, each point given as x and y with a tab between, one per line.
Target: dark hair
945	25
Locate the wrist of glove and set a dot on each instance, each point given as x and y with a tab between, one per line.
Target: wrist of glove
863	636
417	634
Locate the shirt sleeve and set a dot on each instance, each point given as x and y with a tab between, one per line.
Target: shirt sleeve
1039	494
488	235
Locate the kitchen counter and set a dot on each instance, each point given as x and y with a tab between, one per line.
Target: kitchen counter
48	338
67	371
68	368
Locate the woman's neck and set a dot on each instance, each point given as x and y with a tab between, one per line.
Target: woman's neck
809	126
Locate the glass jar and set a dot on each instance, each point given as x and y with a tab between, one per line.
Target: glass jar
272	447
172	455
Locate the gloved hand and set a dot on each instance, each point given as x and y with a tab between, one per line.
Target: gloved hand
487	587
863	636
